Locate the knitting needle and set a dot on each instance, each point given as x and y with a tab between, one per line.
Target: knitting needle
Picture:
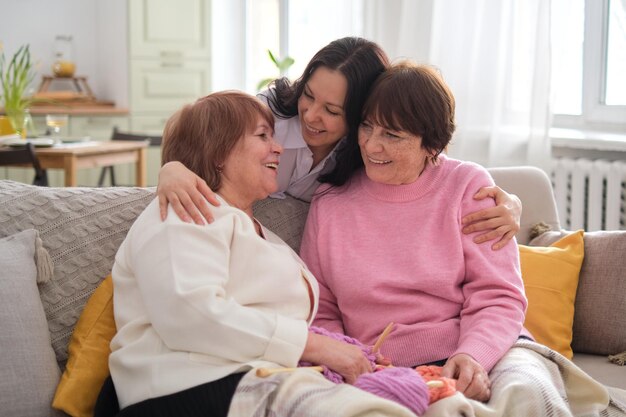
434	384
265	372
382	337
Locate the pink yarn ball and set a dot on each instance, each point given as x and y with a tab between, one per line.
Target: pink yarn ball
401	385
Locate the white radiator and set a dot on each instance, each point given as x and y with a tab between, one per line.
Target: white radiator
590	194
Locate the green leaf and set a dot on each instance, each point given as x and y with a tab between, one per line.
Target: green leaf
285	64
264	83
272	57
281	64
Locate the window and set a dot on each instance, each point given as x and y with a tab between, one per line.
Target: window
588	43
296	28
615	86
263	34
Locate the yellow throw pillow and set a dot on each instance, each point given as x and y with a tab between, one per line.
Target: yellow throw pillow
550	277
88	355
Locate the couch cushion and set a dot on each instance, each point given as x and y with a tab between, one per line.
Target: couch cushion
600	309
88	362
550	277
81	228
27	362
599	368
285	217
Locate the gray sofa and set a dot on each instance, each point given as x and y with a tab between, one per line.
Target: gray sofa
81	229
600	308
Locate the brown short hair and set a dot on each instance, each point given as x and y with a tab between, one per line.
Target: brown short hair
413	98
202	135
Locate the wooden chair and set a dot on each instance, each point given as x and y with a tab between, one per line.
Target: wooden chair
153	140
25	156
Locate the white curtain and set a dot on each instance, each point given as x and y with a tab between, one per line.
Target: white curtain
494	54
228	45
401	27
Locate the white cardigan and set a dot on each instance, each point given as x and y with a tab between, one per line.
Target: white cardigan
196	303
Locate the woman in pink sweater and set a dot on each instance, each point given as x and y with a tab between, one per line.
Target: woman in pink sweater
386	241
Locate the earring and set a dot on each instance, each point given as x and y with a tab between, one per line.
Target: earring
220	168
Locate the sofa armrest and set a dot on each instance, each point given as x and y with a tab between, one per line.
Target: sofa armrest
534	189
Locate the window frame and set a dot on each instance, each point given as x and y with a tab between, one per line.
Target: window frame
595	113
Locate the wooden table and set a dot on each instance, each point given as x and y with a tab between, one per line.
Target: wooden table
72	157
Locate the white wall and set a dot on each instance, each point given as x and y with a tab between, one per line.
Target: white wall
100	32
100	38
112	50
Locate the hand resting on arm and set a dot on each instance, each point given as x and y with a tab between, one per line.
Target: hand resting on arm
186	192
501	222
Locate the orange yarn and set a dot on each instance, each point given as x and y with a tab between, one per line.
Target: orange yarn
433	373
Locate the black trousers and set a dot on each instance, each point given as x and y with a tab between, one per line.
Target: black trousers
210	399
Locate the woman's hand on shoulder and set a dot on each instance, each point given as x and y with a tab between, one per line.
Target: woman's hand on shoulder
472	379
345	359
501	222
186	192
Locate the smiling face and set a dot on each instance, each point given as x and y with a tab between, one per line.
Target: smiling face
408	120
321	112
390	156
249	171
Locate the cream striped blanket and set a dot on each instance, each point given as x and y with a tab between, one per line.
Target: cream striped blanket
531	380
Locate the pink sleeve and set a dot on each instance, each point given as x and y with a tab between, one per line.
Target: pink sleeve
495	303
328	314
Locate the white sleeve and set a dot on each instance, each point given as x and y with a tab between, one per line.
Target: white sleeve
182	274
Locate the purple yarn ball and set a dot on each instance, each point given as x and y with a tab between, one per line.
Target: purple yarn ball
330	374
401	385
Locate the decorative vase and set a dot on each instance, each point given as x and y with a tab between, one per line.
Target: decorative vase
6	127
20	119
63	65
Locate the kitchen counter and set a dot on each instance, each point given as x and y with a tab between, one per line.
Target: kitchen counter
74	110
83	110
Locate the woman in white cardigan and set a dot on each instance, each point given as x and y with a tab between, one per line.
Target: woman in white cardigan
196	307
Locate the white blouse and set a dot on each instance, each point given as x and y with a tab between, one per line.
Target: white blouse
295	175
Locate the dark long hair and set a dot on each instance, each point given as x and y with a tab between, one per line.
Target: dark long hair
359	60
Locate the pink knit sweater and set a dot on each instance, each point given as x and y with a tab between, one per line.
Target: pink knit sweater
396	253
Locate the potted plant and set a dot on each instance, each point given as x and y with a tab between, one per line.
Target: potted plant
15	78
281	64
